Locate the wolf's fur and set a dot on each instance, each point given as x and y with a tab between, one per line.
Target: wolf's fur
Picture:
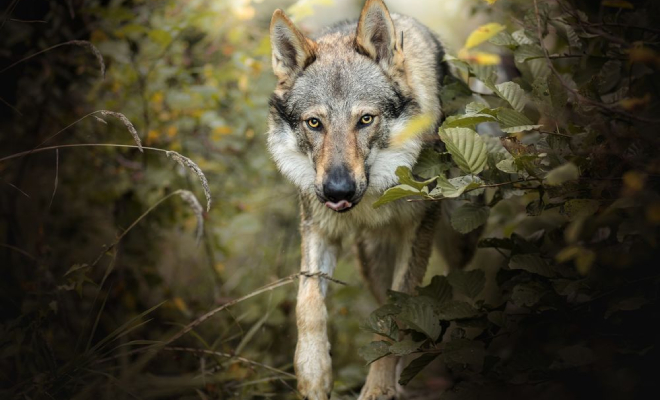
386	66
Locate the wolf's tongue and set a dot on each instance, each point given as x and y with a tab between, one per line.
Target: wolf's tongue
339	206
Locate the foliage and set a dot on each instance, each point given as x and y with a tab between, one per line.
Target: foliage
106	293
564	150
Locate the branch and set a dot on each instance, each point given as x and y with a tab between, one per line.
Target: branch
578	96
233	357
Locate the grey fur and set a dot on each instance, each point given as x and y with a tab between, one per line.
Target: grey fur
352	70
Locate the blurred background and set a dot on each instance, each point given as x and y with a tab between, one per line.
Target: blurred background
192	76
99	254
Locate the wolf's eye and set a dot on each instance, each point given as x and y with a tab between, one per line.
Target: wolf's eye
313	123
366	119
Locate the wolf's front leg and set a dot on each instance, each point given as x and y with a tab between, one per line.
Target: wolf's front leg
312	361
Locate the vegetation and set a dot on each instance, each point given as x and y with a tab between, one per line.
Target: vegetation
565	165
116	281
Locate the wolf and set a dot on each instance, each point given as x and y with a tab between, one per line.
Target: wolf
340	101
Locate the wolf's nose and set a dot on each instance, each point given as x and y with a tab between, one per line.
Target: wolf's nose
339	185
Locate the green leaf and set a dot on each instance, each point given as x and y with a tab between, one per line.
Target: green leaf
419	316
470	283
504	39
579	208
374	351
629	304
406	178
509	166
160	36
512	93
528	294
469	217
527	52
382	323
513	121
76	267
466	147
479	108
531	263
452	310
459	121
404	347
430	164
455	187
416	366
439	289
521	37
562	174
499	243
398	298
396	193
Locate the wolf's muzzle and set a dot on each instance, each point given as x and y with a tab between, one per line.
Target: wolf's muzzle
339	189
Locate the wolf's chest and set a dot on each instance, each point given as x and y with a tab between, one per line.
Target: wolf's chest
365	217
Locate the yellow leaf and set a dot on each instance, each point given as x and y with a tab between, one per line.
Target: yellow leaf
416	126
478	57
584	261
567	254
634	181
152	136
644	55
635	103
180	304
98	36
222	130
491	2
653	213
618	4
157	97
482	34
219	267
171	131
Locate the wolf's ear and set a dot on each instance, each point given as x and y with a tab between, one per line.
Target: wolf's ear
292	51
376	36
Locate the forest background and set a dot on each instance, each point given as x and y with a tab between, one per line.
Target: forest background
110	258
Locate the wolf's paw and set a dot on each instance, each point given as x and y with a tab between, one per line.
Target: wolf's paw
314	369
311	390
378	393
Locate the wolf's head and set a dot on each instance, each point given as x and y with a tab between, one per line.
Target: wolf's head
337	103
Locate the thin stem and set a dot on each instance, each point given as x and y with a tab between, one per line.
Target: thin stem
198	321
233	357
83	43
480	187
20	251
64	146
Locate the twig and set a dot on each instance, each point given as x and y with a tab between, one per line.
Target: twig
556	134
618	25
263	289
233	357
137	221
477	188
16	110
17	188
28	21
64	146
20	251
81	43
198	321
57	169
